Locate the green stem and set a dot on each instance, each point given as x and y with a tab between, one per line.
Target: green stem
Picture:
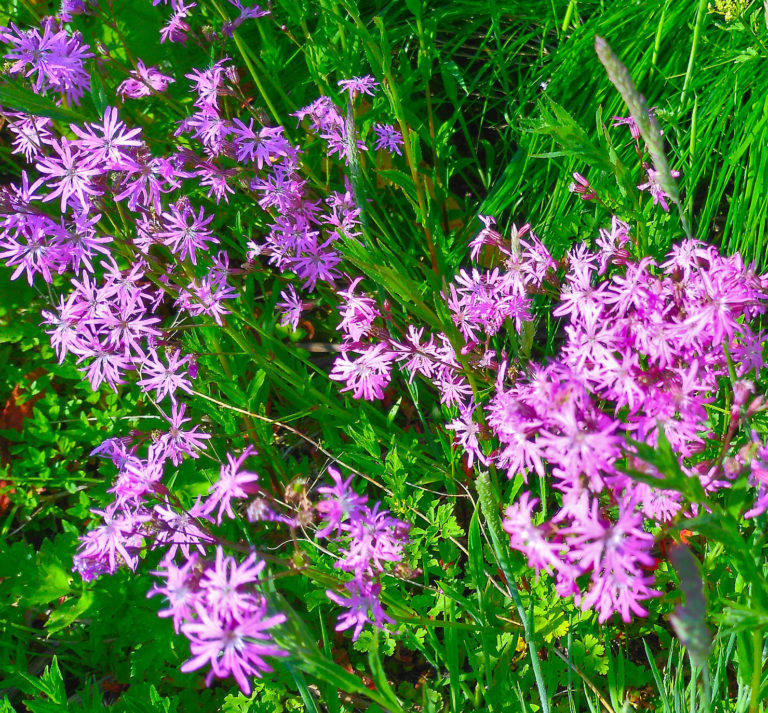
700	12
489	508
757	669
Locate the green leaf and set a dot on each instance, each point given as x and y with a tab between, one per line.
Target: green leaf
689	620
401	180
51	685
16	96
475	548
379	677
70	611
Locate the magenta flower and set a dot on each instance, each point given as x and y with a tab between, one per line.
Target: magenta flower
388	138
186	232
175	443
54	60
118	541
107	143
339	505
164	380
232	483
179	589
177	28
359	85
654	187
207	297
357	312
143	81
367	375
178	529
467	431
363	607
227	586
263	147
530	539
291	307
70	175
30	133
232	647
107	363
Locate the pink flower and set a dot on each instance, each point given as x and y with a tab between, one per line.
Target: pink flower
232	483
367	375
143	81
232	646
359	85
388	138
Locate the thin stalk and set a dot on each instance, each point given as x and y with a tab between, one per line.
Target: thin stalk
568	15
700	12
657	40
757	669
490	511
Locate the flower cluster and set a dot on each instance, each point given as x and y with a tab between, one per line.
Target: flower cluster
368	538
646	346
53	59
217	606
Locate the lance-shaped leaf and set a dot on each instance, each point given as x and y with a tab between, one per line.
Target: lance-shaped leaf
688	620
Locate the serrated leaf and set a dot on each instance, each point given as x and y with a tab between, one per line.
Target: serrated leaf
51	685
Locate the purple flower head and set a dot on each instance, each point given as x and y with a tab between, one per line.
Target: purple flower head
357	312
654	187
186	232
530	539
367	375
388	138
227	586
467	431
54	60
375	537
340	504
31	133
108	143
363	607
232	646
359	85
175	443
117	542
143	81
138	477
70	175
631	124
232	483
291	307
178	529
209	84
177	28
69	8
207	297
246	13
164	380
180	589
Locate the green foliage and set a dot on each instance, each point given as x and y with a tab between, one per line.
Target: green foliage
500	104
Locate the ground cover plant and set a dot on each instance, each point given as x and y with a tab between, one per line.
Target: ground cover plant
383	356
